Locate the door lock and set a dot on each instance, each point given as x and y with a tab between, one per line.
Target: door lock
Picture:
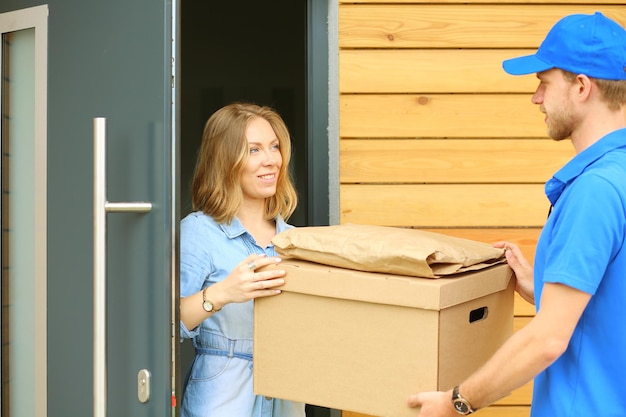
143	386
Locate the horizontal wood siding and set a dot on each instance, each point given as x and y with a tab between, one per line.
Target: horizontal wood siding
527	2
439	116
454	25
459	161
446	205
435	135
430	71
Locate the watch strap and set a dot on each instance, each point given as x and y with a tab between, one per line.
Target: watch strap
457	397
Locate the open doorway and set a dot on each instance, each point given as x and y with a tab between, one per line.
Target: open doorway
259	52
245	50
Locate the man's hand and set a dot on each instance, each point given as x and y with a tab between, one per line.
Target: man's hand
433	404
523	270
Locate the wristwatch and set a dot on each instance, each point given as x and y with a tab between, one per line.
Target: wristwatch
207	305
461	405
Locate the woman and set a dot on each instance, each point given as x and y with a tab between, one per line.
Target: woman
242	194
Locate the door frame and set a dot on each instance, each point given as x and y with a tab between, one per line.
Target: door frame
35	18
317	81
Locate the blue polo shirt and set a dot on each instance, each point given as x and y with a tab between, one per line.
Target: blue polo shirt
582	246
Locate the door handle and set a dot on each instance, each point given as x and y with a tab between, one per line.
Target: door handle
100	209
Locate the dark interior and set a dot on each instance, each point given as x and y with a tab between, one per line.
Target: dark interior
252	51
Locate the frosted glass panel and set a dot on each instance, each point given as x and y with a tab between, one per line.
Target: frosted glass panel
18	231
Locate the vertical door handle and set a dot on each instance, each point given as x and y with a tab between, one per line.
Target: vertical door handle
100	209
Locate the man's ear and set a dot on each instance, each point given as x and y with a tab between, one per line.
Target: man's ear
584	86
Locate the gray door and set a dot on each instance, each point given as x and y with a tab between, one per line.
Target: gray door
111	61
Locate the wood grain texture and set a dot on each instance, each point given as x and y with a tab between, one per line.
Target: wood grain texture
444	205
451	161
503	2
440	116
454	25
430	71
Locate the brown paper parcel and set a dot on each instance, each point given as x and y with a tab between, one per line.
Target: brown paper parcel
387	249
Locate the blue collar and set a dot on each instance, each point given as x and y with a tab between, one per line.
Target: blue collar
235	228
579	163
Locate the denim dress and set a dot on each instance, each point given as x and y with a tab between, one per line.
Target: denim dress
219	382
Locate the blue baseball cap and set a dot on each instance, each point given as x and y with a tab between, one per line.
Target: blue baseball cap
593	45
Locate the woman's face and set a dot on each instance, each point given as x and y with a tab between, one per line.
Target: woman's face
260	174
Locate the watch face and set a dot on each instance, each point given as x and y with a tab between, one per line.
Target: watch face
207	305
461	407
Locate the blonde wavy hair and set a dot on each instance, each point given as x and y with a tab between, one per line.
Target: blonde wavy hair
216	187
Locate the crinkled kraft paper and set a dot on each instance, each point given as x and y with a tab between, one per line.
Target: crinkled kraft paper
392	250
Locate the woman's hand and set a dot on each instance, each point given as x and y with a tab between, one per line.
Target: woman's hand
523	270
244	283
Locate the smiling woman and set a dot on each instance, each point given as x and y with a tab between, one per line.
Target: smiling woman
242	194
260	174
224	153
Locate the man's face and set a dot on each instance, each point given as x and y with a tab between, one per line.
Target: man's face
553	95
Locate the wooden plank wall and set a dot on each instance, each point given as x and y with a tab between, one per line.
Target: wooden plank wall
435	135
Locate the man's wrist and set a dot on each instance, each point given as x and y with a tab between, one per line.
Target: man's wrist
461	404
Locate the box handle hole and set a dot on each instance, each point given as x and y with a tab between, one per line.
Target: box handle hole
478	314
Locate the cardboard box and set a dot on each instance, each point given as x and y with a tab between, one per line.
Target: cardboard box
364	341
